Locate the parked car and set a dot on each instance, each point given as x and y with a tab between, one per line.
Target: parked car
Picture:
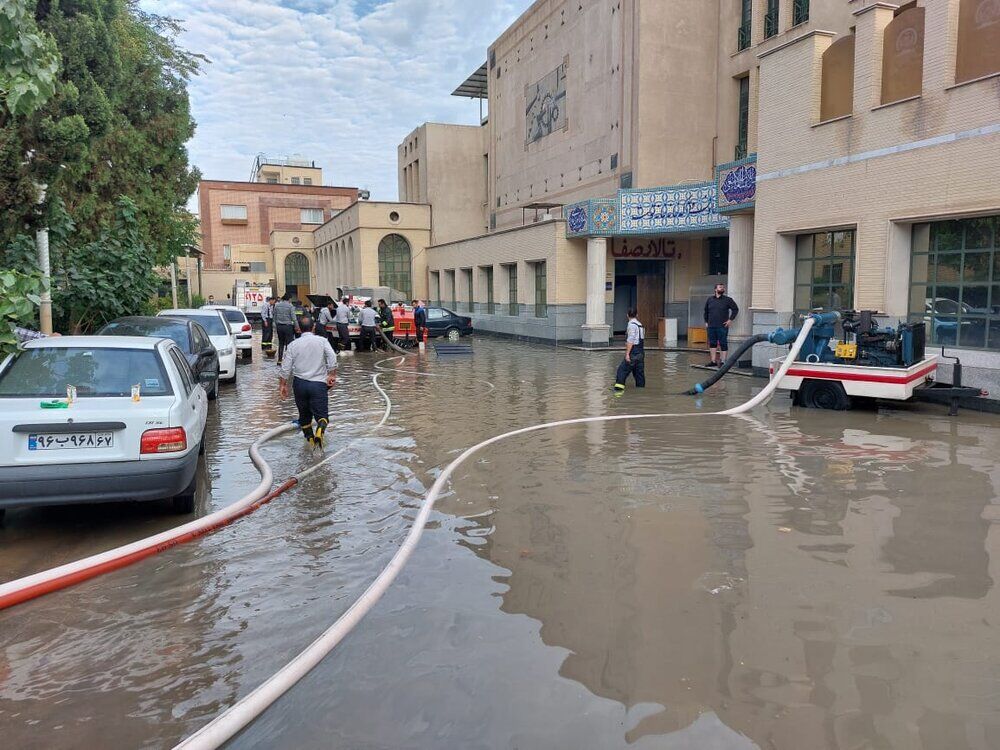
239	324
443	322
108	444
222	338
189	336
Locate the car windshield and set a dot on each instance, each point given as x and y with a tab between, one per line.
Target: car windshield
45	373
234	316
211	323
176	332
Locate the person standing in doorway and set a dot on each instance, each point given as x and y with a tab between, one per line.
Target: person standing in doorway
634	363
286	324
267	325
720	312
311	366
419	319
342	319
368	319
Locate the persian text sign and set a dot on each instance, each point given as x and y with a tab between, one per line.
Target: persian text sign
683	208
737	184
642	249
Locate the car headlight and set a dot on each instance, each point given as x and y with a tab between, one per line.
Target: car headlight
225	352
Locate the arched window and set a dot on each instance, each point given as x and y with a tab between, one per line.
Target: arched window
978	39
296	270
903	56
394	264
837	95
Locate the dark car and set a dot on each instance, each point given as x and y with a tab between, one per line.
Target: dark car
192	339
443	322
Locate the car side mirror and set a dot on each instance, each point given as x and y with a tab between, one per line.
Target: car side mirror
206	377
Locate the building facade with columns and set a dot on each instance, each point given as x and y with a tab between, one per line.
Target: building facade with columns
808	152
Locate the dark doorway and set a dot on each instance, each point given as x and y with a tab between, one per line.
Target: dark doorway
640	284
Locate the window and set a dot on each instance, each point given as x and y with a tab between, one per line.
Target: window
743	129
718	256
800	11
307	181
435	313
903	55
746	13
450	276
978	40
471	290
435	290
824	271
491	305
771	19
184	369
295	180
955	282
312	216
271	180
837	94
227	252
512	307
296	270
257	266
541	291
96	373
394	267
234	213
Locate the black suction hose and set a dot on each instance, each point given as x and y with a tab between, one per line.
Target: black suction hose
391	344
729	364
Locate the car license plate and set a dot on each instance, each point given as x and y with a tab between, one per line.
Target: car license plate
71	440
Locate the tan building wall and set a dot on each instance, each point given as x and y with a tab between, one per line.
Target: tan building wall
348	245
283	174
267	207
446	166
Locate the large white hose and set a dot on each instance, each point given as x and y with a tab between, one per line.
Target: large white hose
233	720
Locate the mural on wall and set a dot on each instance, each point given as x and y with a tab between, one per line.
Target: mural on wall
545	110
669	209
737	184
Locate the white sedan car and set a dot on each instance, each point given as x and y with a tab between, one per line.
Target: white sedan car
217	328
239	324
133	432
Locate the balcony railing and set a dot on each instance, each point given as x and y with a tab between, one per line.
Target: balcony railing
743	38
800	11
770	23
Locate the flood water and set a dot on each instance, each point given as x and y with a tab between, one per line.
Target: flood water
796	580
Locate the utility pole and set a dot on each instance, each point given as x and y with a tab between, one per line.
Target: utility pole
187	275
173	281
42	244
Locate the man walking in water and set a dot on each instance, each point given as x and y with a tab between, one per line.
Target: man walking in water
286	325
368	319
720	312
311	365
635	354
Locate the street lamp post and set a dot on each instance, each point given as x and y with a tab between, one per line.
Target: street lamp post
42	244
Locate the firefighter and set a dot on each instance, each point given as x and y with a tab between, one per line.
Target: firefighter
635	354
386	320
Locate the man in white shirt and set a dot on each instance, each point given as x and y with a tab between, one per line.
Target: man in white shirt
326	321
635	354
368	319
311	365
342	318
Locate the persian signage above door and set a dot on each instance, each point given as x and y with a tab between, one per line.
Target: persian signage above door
629	248
736	185
682	208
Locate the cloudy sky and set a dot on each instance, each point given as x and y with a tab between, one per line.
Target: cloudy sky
338	81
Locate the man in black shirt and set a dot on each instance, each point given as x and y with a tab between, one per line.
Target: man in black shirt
720	312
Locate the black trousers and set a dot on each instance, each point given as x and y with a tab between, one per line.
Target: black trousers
286	335
368	336
345	336
266	331
312	401
636	368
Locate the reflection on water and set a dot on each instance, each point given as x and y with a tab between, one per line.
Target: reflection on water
792	580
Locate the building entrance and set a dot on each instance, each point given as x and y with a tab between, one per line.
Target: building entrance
641	284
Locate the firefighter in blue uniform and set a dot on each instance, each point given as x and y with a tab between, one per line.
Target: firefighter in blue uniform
635	354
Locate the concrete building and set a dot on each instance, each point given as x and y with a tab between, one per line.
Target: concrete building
373	243
286	170
261	231
640	129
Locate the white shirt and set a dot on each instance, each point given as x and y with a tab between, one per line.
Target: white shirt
309	357
368	317
634	332
343	314
325	317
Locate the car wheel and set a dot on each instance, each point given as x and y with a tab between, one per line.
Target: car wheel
3	514
824	394
453	334
202	447
214	392
248	355
232	380
184	502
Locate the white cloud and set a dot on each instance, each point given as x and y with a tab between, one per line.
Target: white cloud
338	81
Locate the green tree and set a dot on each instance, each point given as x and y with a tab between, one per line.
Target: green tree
115	125
18	299
28	60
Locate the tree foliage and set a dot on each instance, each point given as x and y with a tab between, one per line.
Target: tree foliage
18	298
116	125
28	60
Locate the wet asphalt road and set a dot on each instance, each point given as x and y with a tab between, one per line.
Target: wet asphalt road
792	580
